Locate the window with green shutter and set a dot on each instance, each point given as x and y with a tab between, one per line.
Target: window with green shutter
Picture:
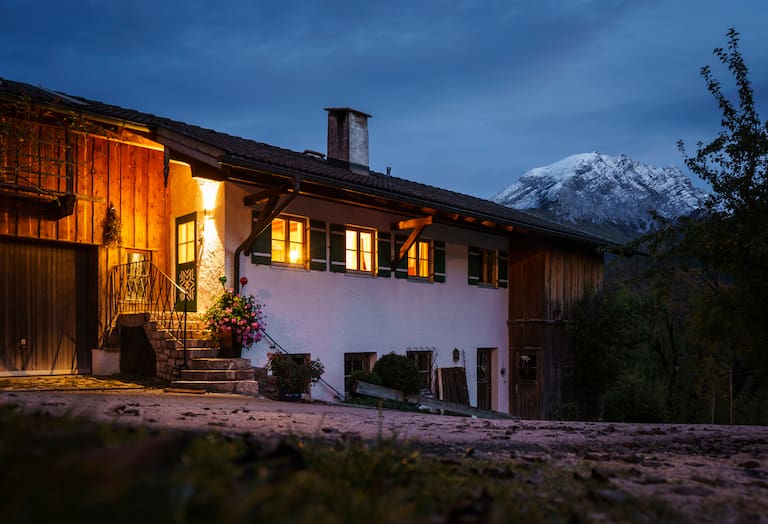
503	269
439	262
318	257
475	266
262	248
338	248
401	271
384	245
483	267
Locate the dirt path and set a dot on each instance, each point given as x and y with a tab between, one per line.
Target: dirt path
709	473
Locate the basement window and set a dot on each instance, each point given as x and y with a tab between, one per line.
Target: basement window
356	362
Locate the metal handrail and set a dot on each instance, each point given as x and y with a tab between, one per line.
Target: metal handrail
141	287
275	345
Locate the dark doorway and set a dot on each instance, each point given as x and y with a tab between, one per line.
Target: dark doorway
136	354
484	378
528	383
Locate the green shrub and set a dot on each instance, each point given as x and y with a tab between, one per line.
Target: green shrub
398	372
363	375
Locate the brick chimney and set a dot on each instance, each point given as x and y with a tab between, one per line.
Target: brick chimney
348	138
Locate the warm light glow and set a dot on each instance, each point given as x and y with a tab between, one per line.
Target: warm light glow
288	240
359	247
209	190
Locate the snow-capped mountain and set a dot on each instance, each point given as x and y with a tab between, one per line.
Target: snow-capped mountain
614	191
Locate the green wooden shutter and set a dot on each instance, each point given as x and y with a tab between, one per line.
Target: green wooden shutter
262	248
384	246
318	258
401	271
439	261
475	266
338	248
503	269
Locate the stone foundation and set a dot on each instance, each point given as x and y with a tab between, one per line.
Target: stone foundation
169	354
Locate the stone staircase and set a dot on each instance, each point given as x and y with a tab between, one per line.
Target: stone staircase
219	375
204	370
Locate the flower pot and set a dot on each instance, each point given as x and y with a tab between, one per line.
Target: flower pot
228	346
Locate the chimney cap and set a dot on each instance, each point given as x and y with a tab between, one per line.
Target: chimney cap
346	110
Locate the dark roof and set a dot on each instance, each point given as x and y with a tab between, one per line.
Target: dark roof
241	151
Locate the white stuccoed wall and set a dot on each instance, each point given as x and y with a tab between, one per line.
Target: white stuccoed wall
328	314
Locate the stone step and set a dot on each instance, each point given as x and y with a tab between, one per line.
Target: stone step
195	353
207	375
192	343
220	363
240	387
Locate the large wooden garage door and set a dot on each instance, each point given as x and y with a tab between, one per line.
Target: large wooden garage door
47	308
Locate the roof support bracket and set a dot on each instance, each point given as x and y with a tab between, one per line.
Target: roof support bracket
271	209
417	225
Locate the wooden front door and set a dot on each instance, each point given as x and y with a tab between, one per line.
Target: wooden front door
186	261
527	386
484	380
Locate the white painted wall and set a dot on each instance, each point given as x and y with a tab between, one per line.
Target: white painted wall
328	314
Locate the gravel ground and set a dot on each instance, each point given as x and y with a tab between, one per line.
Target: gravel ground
709	473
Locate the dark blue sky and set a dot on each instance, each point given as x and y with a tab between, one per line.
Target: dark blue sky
466	95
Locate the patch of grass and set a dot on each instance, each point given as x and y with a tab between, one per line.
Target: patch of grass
73	470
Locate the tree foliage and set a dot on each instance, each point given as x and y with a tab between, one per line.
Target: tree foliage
700	306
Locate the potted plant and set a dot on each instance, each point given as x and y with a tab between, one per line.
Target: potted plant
292	377
235	320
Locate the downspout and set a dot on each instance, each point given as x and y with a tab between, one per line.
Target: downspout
248	242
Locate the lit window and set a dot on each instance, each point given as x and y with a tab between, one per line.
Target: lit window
359	249
487	267
289	240
419	259
186	241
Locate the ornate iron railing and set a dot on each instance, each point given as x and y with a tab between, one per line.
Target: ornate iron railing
140	287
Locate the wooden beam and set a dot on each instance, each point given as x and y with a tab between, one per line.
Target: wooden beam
263	196
271	210
412	223
418	225
412	238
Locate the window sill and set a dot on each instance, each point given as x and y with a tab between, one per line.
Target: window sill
423	280
289	267
360	274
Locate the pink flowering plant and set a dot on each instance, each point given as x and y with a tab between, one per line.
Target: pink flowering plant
238	313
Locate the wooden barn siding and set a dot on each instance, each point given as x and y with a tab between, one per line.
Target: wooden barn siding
545	284
104	170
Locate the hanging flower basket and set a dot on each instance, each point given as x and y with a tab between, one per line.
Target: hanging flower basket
235	321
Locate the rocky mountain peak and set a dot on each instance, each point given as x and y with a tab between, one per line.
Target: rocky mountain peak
594	188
